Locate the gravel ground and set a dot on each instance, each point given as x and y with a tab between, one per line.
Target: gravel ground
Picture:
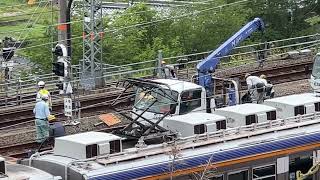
27	134
255	66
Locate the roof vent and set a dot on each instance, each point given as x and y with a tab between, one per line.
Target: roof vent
2	166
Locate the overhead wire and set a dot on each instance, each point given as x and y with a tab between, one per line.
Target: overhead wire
130	96
182	5
79	21
176	17
27	32
143	24
230	55
25	14
21	4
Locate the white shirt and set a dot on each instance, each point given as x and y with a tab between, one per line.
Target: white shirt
252	81
264	81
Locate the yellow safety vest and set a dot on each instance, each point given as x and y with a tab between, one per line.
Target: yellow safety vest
43	92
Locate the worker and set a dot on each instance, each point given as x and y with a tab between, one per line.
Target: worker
42	114
42	91
169	71
269	91
256	88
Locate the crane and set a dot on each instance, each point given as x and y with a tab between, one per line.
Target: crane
209	64
157	98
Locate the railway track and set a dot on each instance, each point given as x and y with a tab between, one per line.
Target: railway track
276	75
92	103
25	115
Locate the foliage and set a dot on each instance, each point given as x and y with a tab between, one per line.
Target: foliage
138	33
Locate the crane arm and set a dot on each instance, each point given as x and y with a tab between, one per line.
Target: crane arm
209	64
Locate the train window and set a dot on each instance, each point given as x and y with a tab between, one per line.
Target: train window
317	106
157	100
221	125
216	177
250	119
190	100
242	175
200	129
91	150
271	115
115	146
299	110
265	172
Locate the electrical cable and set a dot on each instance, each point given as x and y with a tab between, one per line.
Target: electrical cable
139	12
165	19
20	4
130	96
192	14
27	33
70	22
26	14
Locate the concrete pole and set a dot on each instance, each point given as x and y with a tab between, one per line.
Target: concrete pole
159	64
62	27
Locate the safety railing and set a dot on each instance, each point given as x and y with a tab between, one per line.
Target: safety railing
26	86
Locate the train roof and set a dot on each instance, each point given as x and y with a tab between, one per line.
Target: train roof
17	171
295	100
197	118
247	109
225	149
178	85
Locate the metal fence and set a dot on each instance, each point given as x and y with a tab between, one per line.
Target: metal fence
22	90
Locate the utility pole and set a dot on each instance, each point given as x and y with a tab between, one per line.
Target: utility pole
62	67
91	66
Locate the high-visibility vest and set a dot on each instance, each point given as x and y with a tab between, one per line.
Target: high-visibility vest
43	92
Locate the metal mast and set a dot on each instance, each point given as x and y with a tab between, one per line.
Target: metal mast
92	45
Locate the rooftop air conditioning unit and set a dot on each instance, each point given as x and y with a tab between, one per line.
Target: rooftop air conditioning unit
3	169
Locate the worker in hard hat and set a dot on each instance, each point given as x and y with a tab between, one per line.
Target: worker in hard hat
42	91
168	71
269	87
42	114
256	88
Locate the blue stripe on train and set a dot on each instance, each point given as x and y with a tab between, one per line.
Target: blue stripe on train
195	161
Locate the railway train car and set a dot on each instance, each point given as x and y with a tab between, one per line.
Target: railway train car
12	171
264	149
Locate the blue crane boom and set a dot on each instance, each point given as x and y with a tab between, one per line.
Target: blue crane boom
209	64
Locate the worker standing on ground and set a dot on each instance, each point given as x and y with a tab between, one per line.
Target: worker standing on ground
169	71
256	88
42	114
42	91
269	91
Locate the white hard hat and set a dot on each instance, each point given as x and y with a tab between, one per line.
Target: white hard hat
41	83
45	97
